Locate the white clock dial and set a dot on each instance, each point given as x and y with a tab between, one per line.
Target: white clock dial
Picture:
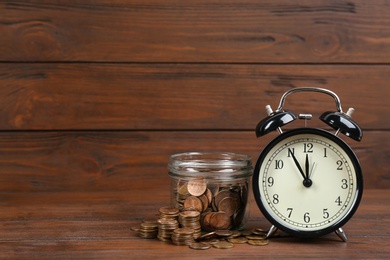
308	182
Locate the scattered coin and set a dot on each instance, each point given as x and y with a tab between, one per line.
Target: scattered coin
200	246
259	231
255	237
223	233
223	245
238	240
257	242
135	228
235	233
207	236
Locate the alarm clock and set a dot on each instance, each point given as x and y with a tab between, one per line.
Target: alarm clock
307	181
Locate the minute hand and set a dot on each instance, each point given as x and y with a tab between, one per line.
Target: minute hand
298	166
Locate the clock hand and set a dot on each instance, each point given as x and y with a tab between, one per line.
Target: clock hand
298	166
307	167
312	169
307	182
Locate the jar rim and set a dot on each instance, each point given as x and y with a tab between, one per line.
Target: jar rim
210	165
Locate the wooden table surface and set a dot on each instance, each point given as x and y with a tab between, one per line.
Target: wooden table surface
98	225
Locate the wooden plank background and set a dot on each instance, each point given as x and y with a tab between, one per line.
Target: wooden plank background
95	95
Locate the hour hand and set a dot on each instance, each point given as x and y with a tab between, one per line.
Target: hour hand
307	167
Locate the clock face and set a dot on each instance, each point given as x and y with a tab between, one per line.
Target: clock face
307	182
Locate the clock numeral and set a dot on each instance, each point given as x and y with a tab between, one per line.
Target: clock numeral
307	147
340	165
325	155
279	164
290	151
338	201
290	210
306	217
325	214
270	181
344	184
275	199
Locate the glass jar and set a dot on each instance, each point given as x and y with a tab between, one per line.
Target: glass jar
214	184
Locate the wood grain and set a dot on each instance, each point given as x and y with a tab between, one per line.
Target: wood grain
108	161
201	31
182	96
97	225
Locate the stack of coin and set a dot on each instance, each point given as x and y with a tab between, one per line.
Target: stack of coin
183	236
148	230
190	219
168	213
166	228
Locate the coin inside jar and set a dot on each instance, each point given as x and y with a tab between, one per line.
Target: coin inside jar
194	203
196	187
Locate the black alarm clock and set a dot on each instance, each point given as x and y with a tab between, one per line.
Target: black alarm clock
308	181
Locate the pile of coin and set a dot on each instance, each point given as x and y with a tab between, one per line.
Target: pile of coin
183	236
222	205
190	219
166	228
224	239
148	230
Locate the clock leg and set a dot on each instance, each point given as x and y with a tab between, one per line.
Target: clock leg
340	233
271	231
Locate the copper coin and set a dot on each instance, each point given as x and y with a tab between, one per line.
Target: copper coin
229	205
238	240
206	236
183	190
205	201
168	222
200	246
246	232
135	228
209	195
196	187
259	231
257	242
221	195
169	211
194	203
184	231
223	233
189	214
235	233
220	220
149	226
223	245
205	222
255	237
